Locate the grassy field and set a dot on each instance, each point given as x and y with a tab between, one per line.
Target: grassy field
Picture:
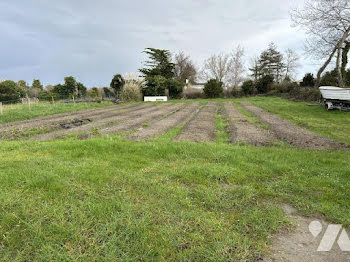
108	199
22	112
334	124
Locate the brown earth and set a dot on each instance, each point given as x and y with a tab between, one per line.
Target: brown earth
300	245
102	122
291	133
162	126
242	130
55	121
63	116
163	111
202	127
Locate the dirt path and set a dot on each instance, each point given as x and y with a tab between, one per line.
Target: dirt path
301	245
293	134
244	131
55	120
102	122
162	126
202	127
163	112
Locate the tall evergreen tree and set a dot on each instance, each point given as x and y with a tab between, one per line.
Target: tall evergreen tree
271	63
159	64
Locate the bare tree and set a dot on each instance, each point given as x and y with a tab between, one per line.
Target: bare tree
218	67
291	63
237	66
254	68
327	23
184	68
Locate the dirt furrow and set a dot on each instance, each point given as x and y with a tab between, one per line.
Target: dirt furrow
202	127
291	133
242	130
103	122
131	124
162	126
61	118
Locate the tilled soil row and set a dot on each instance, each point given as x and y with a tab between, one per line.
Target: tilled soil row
51	127
51	117
130	124
56	120
293	134
103	122
162	126
202	127
242	130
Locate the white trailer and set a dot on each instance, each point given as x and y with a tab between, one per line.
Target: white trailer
335	98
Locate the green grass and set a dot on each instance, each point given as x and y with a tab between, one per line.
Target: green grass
107	199
22	112
222	134
332	124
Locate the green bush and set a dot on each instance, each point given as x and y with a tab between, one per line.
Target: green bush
131	92
264	84
213	89
155	86
308	80
10	92
175	88
330	79
248	87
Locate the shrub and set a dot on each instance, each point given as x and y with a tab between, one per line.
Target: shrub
294	92
175	88
308	80
248	87
263	84
155	86
237	92
117	84
10	92
131	92
213	89
191	93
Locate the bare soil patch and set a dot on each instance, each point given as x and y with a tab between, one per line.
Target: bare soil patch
291	133
75	123
55	121
163	111
242	130
162	126
202	127
300	245
102	121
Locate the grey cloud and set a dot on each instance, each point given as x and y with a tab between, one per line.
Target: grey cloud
92	40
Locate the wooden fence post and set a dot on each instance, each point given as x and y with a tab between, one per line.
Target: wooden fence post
1	108
53	100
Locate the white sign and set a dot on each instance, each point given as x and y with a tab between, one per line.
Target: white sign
155	98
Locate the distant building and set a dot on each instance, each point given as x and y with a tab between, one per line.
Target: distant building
198	86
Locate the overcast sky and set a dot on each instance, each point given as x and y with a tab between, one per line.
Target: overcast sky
92	40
